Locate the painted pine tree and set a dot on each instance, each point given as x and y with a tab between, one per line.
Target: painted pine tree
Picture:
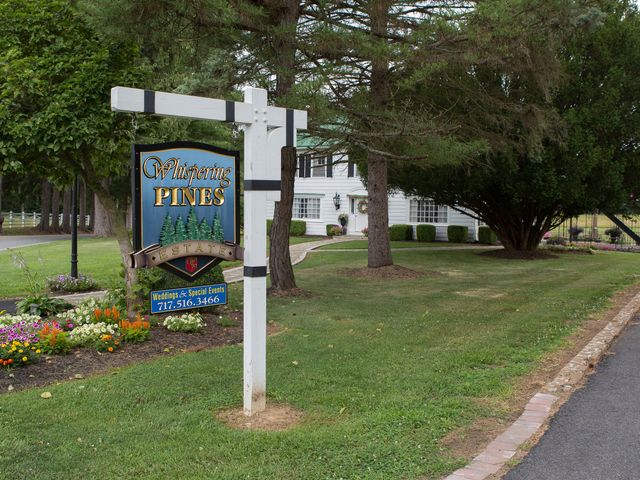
168	232
181	231
217	233
193	231
205	230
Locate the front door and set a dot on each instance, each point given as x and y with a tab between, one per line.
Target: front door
359	214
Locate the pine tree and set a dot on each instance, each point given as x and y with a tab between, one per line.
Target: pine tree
205	230
181	231
168	232
218	232
193	231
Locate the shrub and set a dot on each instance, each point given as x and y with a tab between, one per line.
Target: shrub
401	232
53	339
297	228
487	236
365	231
426	233
66	283
187	322
343	218
43	305
457	234
614	234
334	230
136	331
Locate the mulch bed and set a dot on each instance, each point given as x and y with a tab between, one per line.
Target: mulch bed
388	272
81	362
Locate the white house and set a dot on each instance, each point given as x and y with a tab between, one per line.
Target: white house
329	185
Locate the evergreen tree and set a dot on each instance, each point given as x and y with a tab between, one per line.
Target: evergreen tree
181	231
168	232
218	232
193	231
205	230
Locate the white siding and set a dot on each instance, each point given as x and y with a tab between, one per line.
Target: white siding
351	187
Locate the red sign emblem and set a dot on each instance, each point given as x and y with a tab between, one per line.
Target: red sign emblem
191	264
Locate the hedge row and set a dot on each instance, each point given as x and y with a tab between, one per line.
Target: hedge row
297	229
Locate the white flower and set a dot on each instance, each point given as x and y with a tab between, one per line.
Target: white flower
187	322
91	332
11	319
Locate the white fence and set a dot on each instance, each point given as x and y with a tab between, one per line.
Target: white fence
30	219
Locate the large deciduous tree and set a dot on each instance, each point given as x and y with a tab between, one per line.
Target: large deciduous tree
583	152
55	121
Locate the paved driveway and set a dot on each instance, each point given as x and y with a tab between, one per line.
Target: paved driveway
13	241
596	434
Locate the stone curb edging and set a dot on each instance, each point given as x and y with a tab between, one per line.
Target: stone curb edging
539	408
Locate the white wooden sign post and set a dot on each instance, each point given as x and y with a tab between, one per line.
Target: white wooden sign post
266	131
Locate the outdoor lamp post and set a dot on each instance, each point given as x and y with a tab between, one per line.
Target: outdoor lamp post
336	200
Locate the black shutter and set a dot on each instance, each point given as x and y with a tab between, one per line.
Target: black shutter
350	169
301	166
307	166
329	166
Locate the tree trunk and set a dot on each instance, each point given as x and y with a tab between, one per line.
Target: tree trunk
45	206
116	218
55	210
379	254
102	226
66	211
281	270
379	251
82	206
115	214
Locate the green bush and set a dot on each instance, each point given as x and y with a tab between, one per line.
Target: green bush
457	234
487	236
426	233
333	230
297	228
400	232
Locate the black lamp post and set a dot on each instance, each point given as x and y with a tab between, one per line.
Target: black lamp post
74	229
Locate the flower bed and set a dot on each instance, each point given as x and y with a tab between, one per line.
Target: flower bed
93	328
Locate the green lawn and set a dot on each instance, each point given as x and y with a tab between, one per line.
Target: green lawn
363	245
383	371
97	257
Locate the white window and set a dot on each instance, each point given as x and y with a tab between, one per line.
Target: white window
426	211
319	167
306	207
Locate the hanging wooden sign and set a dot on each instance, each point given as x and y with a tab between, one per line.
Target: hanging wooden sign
186	198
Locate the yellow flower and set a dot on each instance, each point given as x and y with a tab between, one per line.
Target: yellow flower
26	344
20	351
38	351
24	359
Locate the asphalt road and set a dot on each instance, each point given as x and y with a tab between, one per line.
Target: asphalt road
13	241
596	434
